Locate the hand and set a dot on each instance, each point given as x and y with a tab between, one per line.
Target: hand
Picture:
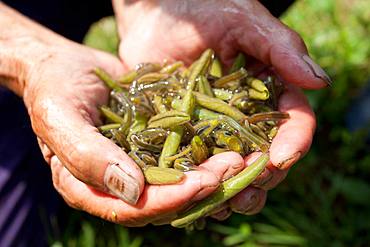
181	30
62	95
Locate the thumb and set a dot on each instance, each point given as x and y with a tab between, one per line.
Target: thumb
64	122
267	39
90	157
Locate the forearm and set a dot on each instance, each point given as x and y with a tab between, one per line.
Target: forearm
23	44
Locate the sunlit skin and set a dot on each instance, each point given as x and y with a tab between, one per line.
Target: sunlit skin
62	94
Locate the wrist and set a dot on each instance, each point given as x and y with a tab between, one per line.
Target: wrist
23	45
16	62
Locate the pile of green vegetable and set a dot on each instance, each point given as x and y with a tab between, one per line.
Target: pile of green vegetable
170	119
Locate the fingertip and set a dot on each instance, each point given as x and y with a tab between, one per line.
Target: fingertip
249	159
298	68
249	201
106	167
283	161
294	136
122	184
224	165
270	177
222	215
204	181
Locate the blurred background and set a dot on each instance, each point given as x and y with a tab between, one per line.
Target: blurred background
325	200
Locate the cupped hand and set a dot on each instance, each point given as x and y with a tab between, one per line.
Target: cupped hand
152	31
62	95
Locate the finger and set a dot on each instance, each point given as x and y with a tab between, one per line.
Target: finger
223	166
249	201
156	201
264	37
295	135
270	177
228	164
222	215
66	127
45	150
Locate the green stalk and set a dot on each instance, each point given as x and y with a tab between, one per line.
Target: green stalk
204	86
268	116
256	142
217	105
170	146
108	127
176	104
128	78
239	62
227	190
236	76
204	114
111	116
200	67
107	79
216	68
138	125
254	94
169	69
160	175
173	140
222	94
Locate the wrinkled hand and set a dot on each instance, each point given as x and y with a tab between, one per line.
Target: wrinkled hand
152	31
62	95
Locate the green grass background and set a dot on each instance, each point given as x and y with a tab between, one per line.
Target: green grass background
325	200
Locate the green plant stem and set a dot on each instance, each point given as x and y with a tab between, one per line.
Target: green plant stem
173	140
216	68
204	86
239	62
107	79
204	114
112	116
227	190
236	76
108	127
222	94
170	146
217	105
256	142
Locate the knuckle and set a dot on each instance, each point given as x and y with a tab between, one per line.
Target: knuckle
294	38
40	113
80	149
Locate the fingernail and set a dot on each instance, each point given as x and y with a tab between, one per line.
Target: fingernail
121	184
317	70
263	178
222	215
250	202
289	161
219	208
